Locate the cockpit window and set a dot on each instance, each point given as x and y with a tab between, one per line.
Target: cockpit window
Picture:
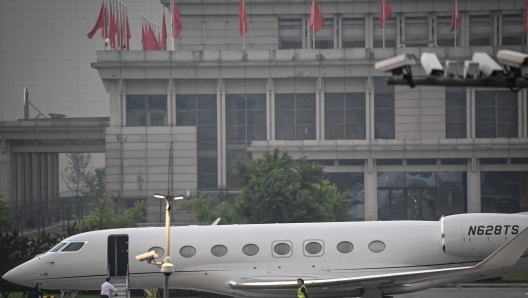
57	247
73	246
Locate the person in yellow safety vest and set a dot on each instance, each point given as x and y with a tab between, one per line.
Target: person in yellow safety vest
301	290
153	293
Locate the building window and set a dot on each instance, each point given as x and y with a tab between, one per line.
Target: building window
200	111
480	29
353	32
444	37
290	33
383	110
416	32
295	116
390	33
496	114
345	116
352	183
324	39
421	195
245	122
512	30
455	112
146	110
502	192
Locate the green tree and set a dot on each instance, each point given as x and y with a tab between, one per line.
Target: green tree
277	189
5	219
77	172
206	214
104	216
95	183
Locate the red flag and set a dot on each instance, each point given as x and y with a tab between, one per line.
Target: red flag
176	22
242	19
128	35
316	18
152	43
143	37
455	18
526	16
385	13
163	33
112	28
100	23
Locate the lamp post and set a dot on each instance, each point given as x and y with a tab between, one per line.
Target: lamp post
167	268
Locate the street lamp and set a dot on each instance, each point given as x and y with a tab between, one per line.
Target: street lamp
167	269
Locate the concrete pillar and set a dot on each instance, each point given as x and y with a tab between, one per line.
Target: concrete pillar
473	186
371	191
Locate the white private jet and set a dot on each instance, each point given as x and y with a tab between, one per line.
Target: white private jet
345	259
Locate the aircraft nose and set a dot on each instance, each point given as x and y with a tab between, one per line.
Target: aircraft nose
20	275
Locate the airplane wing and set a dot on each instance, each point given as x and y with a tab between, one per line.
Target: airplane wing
505	256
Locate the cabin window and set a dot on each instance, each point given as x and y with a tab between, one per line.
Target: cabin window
73	246
282	249
187	251
313	248
219	250
58	246
345	247
250	249
376	246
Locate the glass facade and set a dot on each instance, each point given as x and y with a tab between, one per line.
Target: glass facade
384	112
295	116
353	31
421	195
503	192
352	183
290	33
146	110
345	116
245	122
455	112
496	114
200	111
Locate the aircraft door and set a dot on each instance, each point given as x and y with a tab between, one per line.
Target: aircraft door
117	255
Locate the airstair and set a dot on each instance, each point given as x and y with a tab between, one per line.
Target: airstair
121	285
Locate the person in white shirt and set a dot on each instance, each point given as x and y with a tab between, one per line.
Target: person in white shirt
107	288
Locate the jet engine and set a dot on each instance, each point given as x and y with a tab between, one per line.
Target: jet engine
477	235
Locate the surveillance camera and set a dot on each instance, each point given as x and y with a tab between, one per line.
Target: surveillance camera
148	256
167	269
451	68
513	59
431	64
396	64
487	66
471	69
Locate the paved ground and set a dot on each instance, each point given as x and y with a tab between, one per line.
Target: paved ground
469	293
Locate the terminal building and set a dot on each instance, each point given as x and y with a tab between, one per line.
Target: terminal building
180	119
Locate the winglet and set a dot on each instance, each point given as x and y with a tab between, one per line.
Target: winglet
508	254
216	221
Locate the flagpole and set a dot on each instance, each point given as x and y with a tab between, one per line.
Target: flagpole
313	24
172	23
104	23
126	28
244	26
456	18
383	22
